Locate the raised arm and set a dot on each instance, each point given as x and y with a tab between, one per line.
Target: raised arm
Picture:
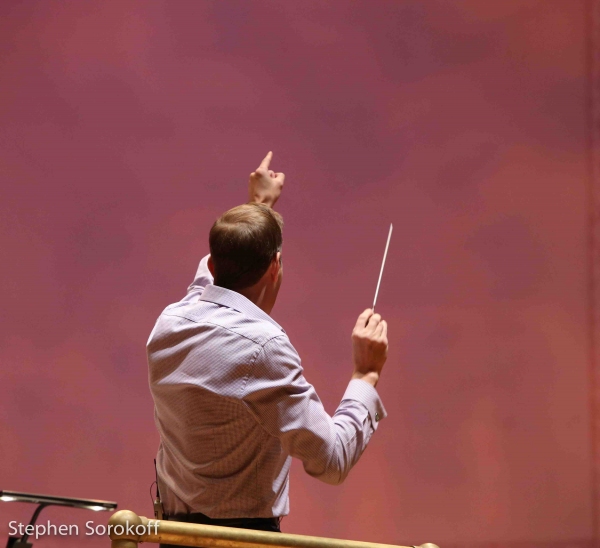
264	187
287	406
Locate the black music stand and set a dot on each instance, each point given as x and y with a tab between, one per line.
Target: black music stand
48	500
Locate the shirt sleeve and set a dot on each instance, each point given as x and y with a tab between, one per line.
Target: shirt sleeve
201	280
287	406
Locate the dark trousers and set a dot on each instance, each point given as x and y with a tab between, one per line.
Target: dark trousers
258	524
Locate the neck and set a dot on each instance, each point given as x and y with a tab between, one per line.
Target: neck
257	294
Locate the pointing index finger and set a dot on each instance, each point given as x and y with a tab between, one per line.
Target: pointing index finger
265	163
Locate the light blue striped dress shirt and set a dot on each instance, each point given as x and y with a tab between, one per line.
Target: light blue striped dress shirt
232	408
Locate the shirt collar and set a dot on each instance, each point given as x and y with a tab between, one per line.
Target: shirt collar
225	297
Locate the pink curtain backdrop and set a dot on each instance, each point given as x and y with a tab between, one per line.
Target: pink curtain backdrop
127	127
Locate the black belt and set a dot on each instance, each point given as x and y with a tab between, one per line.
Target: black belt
259	524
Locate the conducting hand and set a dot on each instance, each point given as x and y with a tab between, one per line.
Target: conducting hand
369	346
265	185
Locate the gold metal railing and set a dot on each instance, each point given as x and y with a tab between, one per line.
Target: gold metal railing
127	529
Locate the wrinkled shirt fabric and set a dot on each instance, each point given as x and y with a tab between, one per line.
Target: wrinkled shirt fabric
232	408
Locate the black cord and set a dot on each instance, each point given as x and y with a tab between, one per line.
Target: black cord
151	497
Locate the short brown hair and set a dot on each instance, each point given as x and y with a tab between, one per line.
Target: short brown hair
243	243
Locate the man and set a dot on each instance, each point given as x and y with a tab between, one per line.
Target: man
231	403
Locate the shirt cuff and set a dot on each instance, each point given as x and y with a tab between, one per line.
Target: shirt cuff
365	393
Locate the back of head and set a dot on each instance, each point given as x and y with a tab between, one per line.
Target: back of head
243	243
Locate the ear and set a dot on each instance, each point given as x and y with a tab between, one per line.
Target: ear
211	266
276	266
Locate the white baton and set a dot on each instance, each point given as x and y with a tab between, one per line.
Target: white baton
382	265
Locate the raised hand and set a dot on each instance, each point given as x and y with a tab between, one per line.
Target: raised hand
369	346
265	185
